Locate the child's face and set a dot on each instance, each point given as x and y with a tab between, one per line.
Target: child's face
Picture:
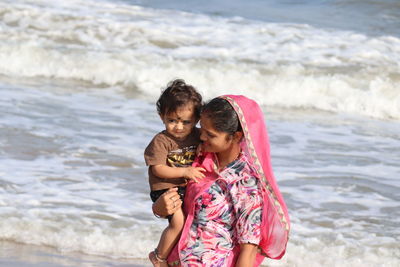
180	123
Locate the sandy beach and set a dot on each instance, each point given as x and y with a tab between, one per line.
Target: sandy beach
14	254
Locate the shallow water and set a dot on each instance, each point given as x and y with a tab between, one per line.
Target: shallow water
73	177
371	17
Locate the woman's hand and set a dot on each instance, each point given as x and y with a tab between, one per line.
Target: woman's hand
168	203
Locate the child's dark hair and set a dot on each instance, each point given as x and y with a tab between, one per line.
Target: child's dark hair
223	116
178	94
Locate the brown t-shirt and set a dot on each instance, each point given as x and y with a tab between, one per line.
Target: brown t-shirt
164	149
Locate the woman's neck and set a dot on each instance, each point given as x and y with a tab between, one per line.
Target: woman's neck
227	156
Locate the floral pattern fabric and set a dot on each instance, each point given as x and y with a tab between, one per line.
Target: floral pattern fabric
227	214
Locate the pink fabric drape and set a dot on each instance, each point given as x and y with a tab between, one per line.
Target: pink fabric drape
255	144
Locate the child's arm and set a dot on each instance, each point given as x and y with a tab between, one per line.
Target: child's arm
164	171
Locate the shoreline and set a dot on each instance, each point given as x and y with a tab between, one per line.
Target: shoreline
22	255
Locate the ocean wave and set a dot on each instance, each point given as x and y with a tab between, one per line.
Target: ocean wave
83	236
285	65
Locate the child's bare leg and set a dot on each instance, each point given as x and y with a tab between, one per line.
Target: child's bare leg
168	240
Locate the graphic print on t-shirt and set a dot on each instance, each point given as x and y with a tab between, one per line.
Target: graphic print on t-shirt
182	157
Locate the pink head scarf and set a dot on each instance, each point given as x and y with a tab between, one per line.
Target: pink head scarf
275	223
275	220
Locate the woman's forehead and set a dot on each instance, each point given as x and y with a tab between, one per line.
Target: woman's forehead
206	123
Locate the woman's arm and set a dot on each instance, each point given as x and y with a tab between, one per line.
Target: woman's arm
248	206
167	203
247	255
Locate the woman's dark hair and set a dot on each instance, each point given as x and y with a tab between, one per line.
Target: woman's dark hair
223	116
178	94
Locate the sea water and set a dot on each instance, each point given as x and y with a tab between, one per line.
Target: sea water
78	82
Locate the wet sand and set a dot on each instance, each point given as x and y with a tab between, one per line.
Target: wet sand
21	255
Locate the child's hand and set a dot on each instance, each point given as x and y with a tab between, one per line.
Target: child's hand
194	173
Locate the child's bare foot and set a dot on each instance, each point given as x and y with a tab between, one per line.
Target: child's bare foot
156	260
153	259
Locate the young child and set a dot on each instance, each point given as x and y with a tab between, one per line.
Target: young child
170	155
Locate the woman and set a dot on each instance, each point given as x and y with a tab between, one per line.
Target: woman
236	216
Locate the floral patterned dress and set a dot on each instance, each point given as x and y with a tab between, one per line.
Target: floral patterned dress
227	214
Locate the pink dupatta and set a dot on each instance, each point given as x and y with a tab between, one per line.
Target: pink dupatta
275	219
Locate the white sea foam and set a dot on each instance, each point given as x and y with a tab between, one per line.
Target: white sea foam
287	65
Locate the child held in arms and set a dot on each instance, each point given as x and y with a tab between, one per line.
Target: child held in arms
170	155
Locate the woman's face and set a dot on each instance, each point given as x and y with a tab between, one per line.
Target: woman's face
213	140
